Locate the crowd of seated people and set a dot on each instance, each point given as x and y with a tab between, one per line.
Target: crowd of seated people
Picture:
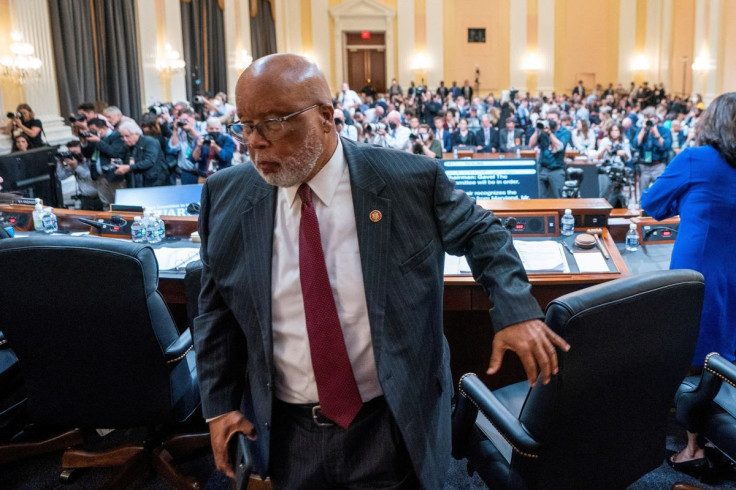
652	127
192	140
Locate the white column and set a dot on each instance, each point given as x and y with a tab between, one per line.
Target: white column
700	45
546	45
321	42
435	40
405	19
175	38
665	46
715	47
31	17
237	40
289	26
151	88
517	46
626	41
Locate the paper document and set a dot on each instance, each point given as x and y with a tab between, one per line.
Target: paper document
456	266
591	262
170	258
542	256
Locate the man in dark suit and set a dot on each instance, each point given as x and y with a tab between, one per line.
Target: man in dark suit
144	160
320	327
467	91
487	136
510	138
441	134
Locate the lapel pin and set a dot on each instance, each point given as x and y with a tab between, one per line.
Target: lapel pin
375	216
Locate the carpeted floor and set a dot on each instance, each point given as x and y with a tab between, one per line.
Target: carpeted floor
43	473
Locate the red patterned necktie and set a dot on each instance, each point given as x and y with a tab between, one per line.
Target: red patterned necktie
339	397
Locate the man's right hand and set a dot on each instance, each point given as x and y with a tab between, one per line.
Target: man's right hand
222	429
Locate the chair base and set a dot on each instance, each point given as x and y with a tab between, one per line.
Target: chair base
21	450
135	459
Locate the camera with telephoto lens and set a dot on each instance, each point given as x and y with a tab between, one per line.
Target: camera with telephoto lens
14	115
77	118
375	127
110	167
63	155
543	124
159	109
573	179
207	140
86	134
181	124
199	99
619	175
649	124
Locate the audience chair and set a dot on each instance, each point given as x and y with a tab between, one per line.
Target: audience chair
98	348
707	406
600	422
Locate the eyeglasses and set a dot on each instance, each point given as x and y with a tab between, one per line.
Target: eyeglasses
271	129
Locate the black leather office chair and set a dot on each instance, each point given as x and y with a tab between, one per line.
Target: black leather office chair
98	349
192	288
707	404
600	422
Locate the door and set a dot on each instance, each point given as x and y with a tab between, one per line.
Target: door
366	59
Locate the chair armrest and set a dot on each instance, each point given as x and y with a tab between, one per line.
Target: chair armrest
691	403
482	399
179	348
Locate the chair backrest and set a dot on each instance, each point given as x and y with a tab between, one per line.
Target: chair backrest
192	288
602	419
90	329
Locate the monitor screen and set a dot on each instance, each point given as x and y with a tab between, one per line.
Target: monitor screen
169	200
495	178
32	174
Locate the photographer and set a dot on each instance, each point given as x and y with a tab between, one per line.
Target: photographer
152	127
101	145
423	143
615	149
214	150
115	116
182	143
345	130
551	139
72	162
23	122
85	113
395	136
654	143
144	160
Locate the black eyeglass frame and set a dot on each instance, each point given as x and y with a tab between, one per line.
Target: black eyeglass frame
241	137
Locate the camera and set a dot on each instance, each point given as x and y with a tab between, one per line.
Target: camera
543	124
375	127
181	124
77	118
207	140
110	167
62	155
199	99
159	109
620	176
649	124
13	115
86	134
573	179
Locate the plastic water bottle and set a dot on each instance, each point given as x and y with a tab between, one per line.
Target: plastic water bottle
38	213
567	223
137	232
152	229
632	239
454	153
518	152
49	222
161	226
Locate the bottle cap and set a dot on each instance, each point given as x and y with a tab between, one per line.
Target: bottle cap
632	226
568	211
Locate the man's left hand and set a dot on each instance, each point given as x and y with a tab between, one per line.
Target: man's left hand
534	343
122	169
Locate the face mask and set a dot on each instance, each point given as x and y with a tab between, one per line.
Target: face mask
213	135
392	125
217	103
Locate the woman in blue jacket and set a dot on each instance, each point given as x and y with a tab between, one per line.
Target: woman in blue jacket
700	186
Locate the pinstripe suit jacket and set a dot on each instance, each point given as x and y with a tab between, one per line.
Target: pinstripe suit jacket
402	258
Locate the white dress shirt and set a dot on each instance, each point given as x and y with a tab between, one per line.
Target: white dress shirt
333	202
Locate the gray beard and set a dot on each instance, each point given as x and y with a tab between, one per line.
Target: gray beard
295	168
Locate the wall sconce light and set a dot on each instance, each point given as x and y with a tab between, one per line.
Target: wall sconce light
641	63
421	62
244	60
532	62
702	63
171	63
21	66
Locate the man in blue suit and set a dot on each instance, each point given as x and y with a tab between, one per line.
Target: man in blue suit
320	329
441	134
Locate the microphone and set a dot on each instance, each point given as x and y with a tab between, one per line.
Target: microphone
193	208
